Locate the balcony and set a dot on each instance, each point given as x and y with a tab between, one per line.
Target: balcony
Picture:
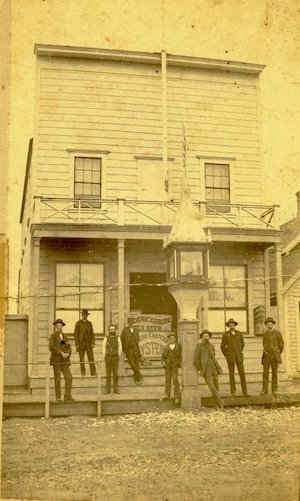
124	212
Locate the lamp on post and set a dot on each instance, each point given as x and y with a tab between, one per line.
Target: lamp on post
187	252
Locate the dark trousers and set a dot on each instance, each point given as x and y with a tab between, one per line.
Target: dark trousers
171	373
240	368
89	351
211	379
133	357
111	367
267	362
65	370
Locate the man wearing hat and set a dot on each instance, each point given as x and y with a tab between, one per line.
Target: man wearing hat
85	341
273	346
171	359
232	346
112	349
130	342
60	359
205	361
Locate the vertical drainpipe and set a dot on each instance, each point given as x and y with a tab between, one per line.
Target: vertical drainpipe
164	108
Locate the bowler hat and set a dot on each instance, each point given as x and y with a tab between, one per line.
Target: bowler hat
58	321
270	319
205	331
84	311
171	334
231	321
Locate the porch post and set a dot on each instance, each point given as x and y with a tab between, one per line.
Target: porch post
121	284
33	319
267	281
279	293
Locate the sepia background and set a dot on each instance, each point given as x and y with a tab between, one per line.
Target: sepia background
257	31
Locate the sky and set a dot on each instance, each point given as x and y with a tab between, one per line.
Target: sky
257	31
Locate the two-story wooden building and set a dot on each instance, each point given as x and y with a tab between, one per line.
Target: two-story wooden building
103	183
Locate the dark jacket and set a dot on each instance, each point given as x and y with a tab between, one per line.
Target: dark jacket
232	346
203	353
172	357
130	340
84	329
273	344
56	346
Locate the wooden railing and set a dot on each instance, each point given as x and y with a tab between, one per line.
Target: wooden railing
123	212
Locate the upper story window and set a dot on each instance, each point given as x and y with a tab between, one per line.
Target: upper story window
217	186
87	180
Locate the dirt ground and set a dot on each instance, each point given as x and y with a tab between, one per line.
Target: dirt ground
243	454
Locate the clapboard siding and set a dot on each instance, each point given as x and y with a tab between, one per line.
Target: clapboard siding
292	299
117	107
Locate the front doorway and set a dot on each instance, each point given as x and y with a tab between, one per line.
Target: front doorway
149	295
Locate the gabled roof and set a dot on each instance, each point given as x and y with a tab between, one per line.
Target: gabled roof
290	234
291	282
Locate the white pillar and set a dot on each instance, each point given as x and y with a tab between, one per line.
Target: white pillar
33	319
121	284
267	281
279	293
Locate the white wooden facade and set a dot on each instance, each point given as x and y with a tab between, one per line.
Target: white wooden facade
127	111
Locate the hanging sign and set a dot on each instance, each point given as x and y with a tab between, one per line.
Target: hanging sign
153	330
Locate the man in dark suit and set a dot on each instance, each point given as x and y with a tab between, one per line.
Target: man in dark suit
273	347
171	359
85	341
232	346
60	359
130	343
206	362
111	349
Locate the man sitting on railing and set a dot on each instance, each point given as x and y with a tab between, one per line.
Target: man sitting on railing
60	359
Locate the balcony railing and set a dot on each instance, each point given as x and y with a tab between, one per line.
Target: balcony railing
142	212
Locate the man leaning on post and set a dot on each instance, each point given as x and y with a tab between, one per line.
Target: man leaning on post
60	359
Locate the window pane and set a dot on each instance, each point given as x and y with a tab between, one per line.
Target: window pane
235	298
208	169
97	319
216	275
67	297
79	187
235	276
78	163
217	182
96	177
216	321
67	274
216	298
191	263
91	297
209	181
224	170
225	182
87	176
217	195
96	190
225	195
87	163
69	317
92	274
87	189
240	316
78	176
96	164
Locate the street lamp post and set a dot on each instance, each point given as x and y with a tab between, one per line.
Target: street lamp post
187	252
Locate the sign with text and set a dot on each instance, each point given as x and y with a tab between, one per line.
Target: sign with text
153	330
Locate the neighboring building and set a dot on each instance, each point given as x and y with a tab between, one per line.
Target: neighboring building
291	290
103	182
